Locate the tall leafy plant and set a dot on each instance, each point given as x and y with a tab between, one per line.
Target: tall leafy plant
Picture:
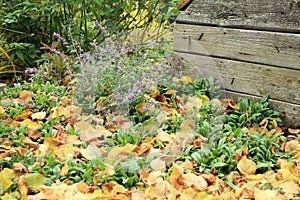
32	22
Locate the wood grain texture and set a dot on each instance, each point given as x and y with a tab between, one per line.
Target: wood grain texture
255	79
275	15
265	47
290	113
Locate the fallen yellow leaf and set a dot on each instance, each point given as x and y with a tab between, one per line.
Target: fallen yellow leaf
192	103
5	178
158	164
2	110
246	166
265	194
186	79
31	124
38	116
53	100
290	187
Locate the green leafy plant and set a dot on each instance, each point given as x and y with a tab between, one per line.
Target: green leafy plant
123	137
252	113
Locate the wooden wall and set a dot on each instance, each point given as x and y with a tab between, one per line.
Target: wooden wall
254	45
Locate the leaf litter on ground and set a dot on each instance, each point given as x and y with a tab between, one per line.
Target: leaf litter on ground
60	153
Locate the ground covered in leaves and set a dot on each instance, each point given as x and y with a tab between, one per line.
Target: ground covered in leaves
169	146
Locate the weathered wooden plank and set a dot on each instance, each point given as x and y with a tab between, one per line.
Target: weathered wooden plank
290	112
253	14
280	83
271	48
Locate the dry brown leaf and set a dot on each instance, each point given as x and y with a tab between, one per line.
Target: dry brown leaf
246	166
195	181
163	137
19	167
210	178
65	101
197	142
34	133
144	147
129	148
30	143
64	170
137	195
175	178
23	185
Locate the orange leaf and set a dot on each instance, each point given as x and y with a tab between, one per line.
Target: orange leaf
170	92
24	115
294	131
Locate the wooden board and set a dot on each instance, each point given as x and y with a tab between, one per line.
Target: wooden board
277	15
203	66
290	113
264	47
248	78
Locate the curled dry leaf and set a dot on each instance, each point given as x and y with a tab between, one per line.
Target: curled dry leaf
293	131
19	167
246	166
292	145
163	136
